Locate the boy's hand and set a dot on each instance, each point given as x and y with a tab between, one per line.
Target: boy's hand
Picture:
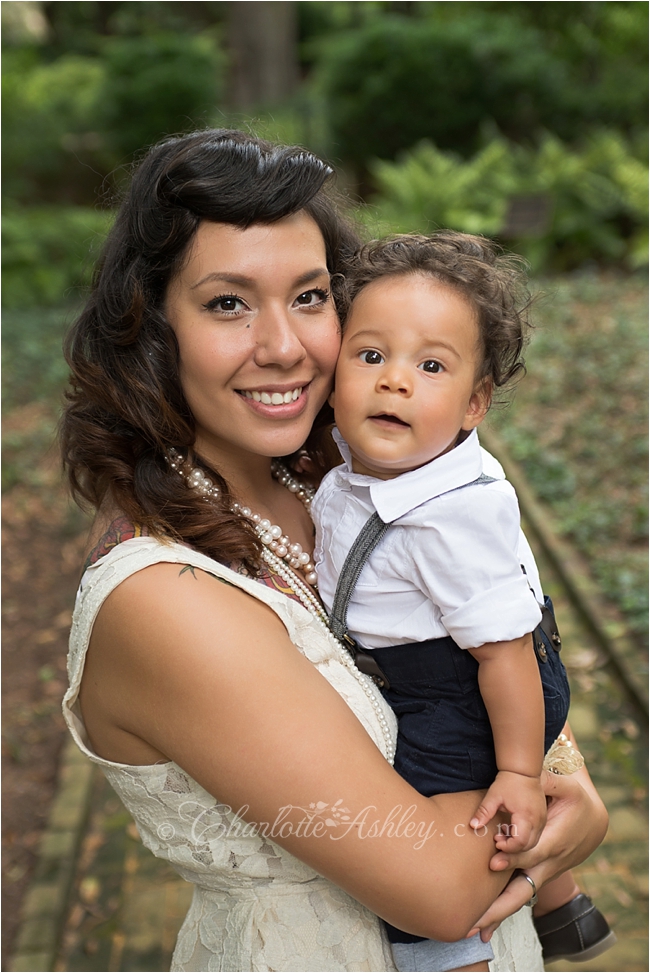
523	798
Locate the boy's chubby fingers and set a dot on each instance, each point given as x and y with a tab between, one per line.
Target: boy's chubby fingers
516	836
510	843
524	840
527	824
485	811
536	834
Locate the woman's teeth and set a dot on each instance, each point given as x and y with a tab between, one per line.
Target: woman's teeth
274	398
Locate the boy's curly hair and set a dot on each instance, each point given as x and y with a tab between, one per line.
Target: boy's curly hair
493	283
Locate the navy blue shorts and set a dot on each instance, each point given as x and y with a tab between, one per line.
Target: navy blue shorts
444	741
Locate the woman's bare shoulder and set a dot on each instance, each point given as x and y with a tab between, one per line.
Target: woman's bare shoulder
154	633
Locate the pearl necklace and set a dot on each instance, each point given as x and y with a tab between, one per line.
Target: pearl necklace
284	564
271	536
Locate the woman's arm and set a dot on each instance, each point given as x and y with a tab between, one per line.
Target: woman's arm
182	666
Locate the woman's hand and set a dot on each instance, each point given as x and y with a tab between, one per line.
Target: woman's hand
576	824
516	894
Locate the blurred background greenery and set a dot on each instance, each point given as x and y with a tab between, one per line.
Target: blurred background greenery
523	121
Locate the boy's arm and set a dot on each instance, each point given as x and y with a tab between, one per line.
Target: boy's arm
511	688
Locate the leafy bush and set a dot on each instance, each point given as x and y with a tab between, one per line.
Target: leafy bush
595	199
69	122
397	80
158	85
49	122
48	253
450	76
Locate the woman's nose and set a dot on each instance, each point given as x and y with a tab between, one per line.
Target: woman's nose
394	377
277	341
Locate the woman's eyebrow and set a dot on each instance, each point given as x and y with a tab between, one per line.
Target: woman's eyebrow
240	280
236	279
311	275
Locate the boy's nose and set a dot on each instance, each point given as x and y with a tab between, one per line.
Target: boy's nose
394	378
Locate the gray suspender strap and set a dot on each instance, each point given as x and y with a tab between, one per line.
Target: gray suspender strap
369	537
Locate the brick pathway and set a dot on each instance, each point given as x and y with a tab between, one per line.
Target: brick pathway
126	907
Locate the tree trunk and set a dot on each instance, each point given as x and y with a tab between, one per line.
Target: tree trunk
263	42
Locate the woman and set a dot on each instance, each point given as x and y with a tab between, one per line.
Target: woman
207	348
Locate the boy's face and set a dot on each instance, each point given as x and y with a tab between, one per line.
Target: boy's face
405	381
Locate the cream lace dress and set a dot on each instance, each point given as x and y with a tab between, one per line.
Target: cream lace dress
255	906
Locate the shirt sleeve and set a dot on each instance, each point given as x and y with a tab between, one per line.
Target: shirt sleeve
466	559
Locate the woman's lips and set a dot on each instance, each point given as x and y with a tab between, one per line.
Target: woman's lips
276	402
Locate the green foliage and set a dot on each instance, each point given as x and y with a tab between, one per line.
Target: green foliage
455	71
158	85
595	198
49	122
48	253
83	26
68	122
33	375
396	81
32	358
578	426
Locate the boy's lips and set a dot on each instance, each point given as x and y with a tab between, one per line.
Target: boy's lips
387	417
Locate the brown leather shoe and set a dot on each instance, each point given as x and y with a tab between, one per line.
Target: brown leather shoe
577	932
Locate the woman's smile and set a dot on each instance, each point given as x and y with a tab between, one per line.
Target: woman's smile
277	401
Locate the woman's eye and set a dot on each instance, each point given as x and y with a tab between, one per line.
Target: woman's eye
226	303
371	357
312	298
430	366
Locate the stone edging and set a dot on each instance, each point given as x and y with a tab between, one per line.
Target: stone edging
600	617
46	901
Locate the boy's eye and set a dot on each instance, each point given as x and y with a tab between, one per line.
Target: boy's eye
371	357
433	367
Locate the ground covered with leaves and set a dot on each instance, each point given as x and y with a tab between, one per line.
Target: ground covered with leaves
578	426
43	537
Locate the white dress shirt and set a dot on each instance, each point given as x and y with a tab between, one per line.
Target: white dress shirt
451	564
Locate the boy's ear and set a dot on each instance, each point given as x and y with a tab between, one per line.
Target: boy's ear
478	405
330	398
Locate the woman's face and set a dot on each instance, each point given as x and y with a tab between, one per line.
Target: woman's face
258	336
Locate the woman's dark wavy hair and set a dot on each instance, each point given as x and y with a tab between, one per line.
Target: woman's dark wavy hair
493	283
125	405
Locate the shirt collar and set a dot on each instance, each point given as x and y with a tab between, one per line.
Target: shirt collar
394	498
